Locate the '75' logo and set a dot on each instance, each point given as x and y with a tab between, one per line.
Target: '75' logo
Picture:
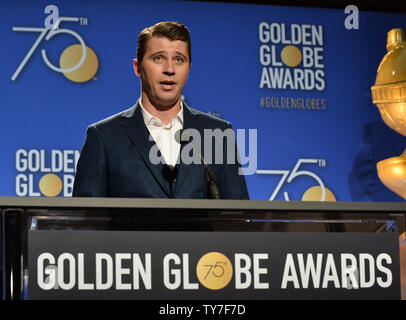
79	53
322	194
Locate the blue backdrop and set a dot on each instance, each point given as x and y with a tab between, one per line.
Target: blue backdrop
296	75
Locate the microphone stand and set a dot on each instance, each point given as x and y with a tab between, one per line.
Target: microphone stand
170	174
209	175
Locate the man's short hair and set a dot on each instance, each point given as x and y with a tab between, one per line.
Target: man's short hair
171	30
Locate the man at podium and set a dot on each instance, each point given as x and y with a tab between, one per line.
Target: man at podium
119	156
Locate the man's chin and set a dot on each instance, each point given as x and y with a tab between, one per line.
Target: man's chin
165	104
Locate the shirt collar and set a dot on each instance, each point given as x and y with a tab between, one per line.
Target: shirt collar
149	119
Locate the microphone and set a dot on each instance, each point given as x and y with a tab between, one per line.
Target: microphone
182	137
170	173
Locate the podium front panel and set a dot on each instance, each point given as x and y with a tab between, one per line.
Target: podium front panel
238	250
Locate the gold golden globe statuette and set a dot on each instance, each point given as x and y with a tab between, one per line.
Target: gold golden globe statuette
389	95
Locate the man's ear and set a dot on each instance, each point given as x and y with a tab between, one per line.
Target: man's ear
137	67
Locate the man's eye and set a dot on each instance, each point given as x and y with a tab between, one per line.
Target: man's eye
157	58
179	59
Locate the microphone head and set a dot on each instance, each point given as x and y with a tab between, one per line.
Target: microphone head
170	173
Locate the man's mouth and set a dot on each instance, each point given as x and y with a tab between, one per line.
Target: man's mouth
167	84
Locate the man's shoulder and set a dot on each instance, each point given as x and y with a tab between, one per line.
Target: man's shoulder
112	120
209	119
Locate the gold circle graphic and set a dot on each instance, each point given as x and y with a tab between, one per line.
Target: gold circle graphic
71	56
214	270
50	185
314	194
291	56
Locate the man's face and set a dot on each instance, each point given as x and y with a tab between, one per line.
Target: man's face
163	71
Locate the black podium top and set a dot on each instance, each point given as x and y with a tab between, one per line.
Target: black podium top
239	205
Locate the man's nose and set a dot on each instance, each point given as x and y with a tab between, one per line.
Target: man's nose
169	68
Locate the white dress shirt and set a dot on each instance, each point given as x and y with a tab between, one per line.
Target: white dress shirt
164	135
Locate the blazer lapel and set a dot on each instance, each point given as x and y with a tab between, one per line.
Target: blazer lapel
189	121
133	123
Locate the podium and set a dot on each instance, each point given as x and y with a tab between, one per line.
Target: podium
175	249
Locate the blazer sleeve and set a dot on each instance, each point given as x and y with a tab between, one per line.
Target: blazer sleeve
91	170
232	185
